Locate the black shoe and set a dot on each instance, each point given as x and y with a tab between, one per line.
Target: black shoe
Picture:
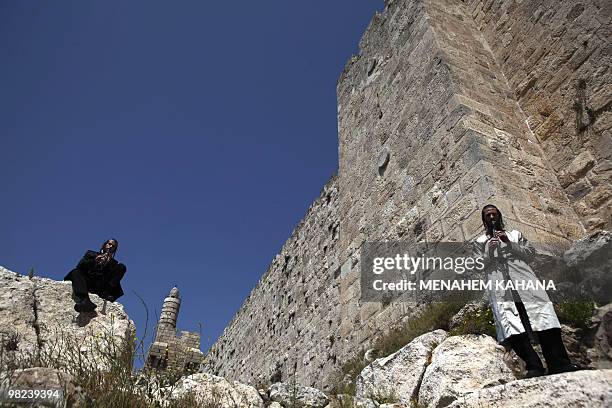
536	372
566	369
85	306
108	296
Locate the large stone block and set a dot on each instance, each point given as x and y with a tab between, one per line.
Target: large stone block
461	365
578	389
401	372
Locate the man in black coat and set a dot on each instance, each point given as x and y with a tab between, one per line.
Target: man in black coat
98	273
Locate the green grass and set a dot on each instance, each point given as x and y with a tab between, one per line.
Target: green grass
350	369
576	313
477	322
384	396
434	316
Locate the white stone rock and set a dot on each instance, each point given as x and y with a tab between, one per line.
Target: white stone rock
601	352
45	378
41	311
588	389
462	364
17	311
399	373
218	392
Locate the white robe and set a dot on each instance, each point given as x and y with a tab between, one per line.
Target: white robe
516	256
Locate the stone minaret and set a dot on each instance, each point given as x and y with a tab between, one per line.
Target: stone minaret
169	314
172	350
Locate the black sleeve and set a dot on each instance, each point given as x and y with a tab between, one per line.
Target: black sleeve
87	262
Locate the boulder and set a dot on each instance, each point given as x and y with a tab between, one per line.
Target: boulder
590	257
17	333
576	341
595	245
290	394
601	352
210	390
37	318
400	373
44	378
460	365
591	388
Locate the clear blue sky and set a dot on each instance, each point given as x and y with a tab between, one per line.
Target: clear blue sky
195	132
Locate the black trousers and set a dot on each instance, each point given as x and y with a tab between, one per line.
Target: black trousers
84	283
550	340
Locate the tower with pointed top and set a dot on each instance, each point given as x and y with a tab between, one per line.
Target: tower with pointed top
178	351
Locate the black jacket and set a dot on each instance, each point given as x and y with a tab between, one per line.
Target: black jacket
100	280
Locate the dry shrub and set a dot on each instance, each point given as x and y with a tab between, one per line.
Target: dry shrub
101	368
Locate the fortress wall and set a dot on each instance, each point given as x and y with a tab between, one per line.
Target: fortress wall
395	98
514	169
429	131
556	56
427	89
287	323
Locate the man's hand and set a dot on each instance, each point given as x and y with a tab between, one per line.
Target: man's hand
493	243
501	235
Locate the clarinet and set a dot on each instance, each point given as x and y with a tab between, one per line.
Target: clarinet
501	263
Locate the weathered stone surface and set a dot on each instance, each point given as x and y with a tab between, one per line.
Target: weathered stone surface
460	365
218	392
41	312
401	372
592	389
600	354
290	394
577	348
17	311
553	55
591	258
595	246
577	168
44	378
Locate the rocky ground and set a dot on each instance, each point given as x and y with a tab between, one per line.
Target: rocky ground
434	370
38	327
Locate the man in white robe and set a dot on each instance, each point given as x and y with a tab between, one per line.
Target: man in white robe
519	311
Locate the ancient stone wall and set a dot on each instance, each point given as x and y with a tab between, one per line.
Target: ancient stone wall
286	325
429	133
556	56
430	130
